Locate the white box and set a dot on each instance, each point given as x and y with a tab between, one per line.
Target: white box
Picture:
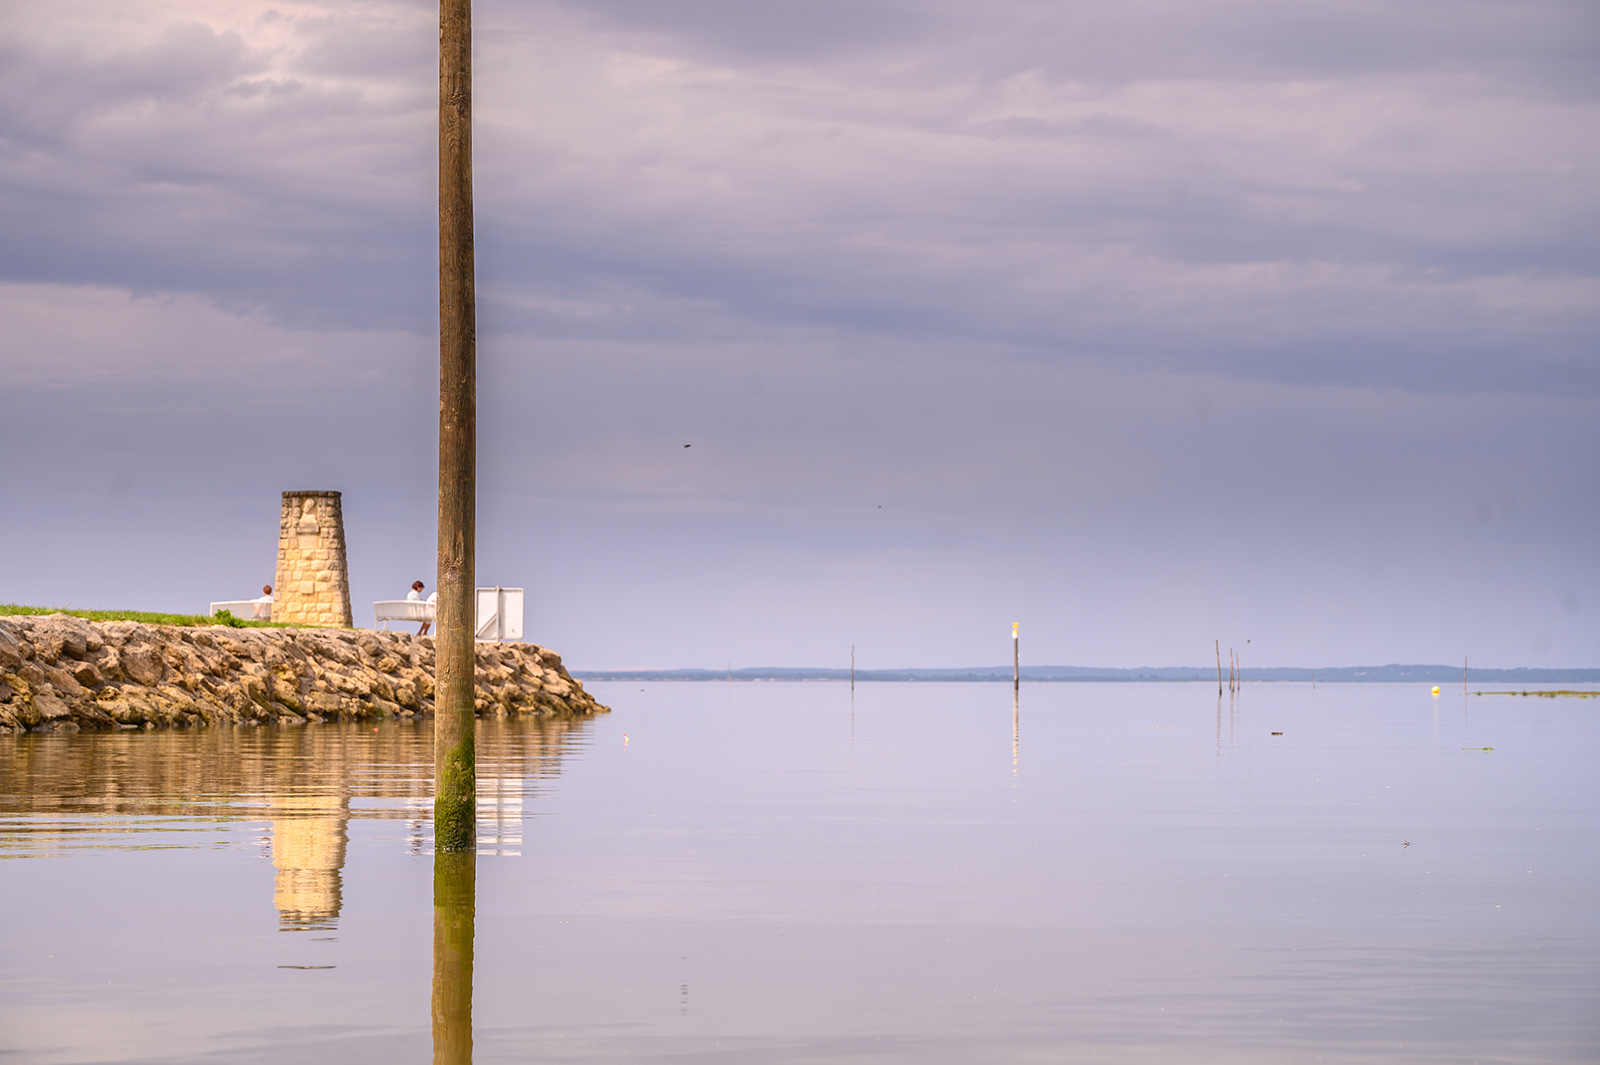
498	613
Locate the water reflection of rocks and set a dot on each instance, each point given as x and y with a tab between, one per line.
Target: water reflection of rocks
58	792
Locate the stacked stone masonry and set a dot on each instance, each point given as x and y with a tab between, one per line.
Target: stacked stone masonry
60	673
313	583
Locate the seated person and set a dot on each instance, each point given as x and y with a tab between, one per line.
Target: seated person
264	598
415	596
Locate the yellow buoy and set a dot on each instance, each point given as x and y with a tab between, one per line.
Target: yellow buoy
1436	689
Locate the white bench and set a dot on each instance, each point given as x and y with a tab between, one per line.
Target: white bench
245	609
497	614
388	610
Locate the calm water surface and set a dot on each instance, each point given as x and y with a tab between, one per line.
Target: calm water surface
784	873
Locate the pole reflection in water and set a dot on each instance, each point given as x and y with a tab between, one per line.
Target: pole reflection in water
454	903
1016	732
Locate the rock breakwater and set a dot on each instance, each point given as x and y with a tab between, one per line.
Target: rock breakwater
60	673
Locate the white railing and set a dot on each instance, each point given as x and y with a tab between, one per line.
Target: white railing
247	609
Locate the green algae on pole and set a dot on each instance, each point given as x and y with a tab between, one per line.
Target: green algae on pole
454	765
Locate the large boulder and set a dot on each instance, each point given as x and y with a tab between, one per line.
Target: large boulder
142	663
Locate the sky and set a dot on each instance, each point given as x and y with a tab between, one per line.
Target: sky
1140	324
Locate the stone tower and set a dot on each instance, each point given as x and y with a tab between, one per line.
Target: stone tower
313	585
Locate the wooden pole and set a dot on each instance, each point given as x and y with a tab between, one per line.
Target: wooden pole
1016	661
1463	675
454	754
454	914
1217	645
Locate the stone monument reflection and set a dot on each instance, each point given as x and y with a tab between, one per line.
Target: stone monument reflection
309	834
454	910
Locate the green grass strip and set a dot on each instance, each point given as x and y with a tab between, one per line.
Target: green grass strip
145	617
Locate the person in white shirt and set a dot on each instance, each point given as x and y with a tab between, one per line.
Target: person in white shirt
415	596
264	598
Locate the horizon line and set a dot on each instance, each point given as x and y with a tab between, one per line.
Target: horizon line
1389	671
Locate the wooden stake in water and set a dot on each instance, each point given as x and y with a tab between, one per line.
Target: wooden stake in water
454	755
1217	646
1016	661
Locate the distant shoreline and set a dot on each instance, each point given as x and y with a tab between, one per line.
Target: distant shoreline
1172	674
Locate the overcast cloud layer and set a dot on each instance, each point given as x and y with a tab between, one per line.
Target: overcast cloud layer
1140	324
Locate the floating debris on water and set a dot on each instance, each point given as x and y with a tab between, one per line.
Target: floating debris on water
1568	692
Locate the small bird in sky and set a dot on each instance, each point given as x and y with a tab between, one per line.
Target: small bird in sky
686	445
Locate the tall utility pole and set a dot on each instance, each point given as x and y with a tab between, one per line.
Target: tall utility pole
454	756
